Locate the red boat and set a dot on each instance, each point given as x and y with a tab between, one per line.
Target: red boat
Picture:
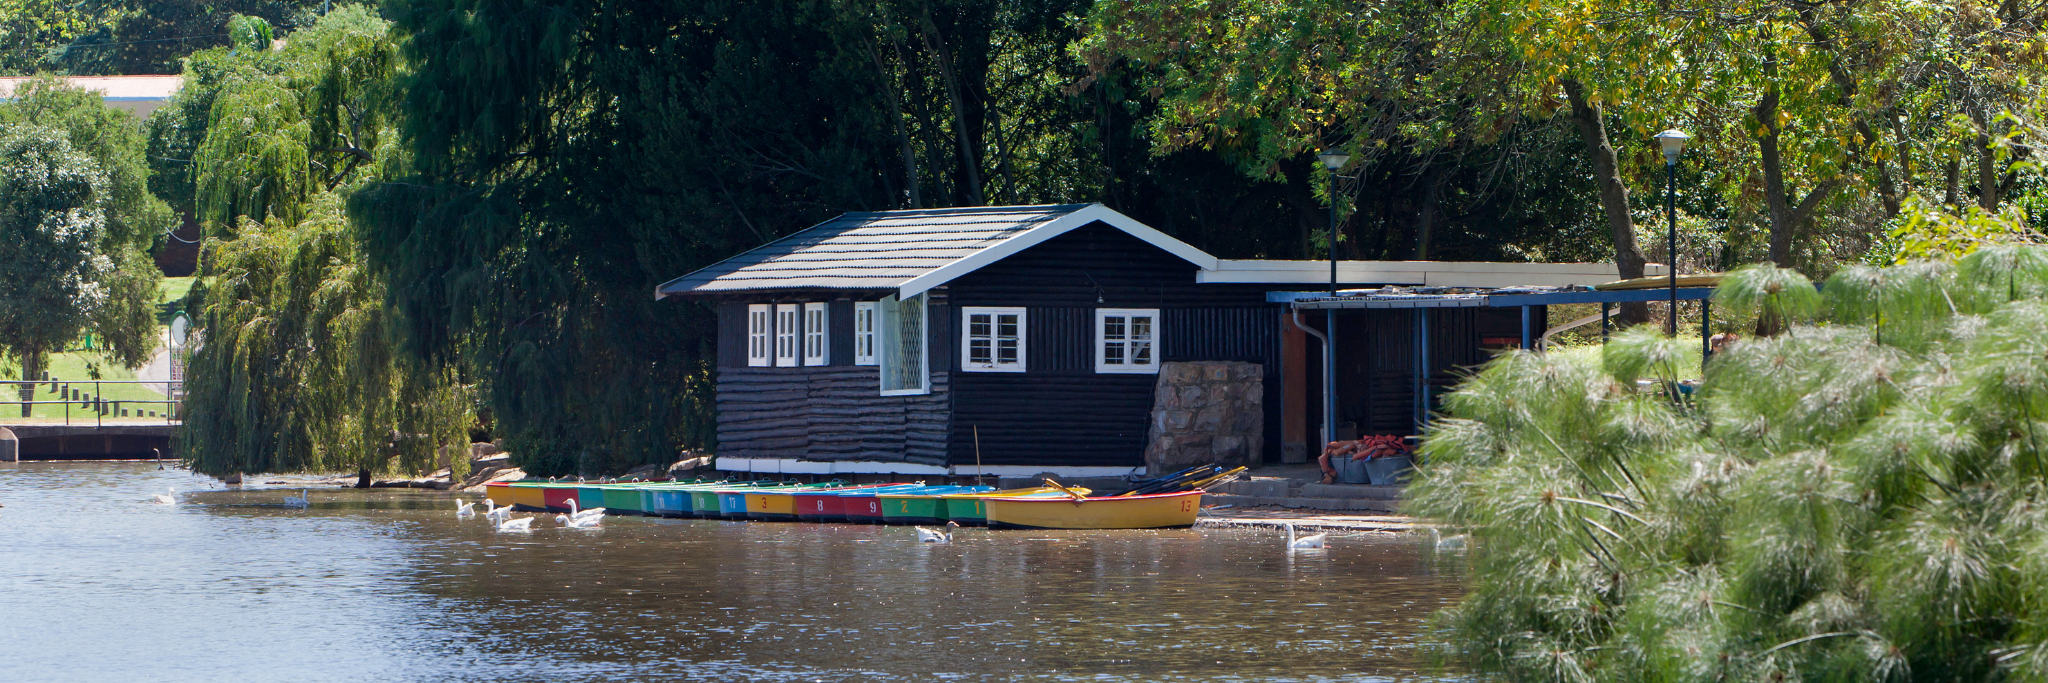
830	506
558	497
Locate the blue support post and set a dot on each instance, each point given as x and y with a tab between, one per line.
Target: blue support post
1525	330
1329	376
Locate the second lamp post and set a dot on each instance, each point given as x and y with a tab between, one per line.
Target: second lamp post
1673	142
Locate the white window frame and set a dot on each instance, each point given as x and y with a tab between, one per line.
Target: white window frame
864	333
1103	344
993	338
891	324
760	335
788	331
817	334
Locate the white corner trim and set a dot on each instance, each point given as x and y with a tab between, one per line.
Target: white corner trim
1060	226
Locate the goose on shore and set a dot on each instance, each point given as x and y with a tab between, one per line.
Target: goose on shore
935	536
166	498
1304	542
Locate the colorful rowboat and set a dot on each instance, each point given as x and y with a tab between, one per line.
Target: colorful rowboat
1156	511
830	506
924	506
590	497
970	509
499	493
529	496
781	505
865	507
732	504
557	496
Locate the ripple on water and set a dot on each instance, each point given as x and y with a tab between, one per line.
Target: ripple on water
390	585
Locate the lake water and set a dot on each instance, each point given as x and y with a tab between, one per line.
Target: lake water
97	584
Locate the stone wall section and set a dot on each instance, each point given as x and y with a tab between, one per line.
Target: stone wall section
1206	412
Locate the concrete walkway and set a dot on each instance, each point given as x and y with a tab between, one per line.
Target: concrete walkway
1272	518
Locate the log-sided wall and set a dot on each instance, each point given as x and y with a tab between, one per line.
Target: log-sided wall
1060	411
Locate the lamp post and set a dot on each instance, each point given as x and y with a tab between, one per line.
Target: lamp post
1333	159
1673	142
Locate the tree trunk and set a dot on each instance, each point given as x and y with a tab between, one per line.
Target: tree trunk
363	478
889	85
968	162
1954	180
1786	217
1426	220
31	370
1987	165
1628	258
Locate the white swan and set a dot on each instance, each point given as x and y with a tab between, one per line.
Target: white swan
521	524
575	514
1293	543
579	522
935	536
301	501
165	497
463	509
1448	543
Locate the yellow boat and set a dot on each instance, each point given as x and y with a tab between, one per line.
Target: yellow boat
529	497
1155	511
967	509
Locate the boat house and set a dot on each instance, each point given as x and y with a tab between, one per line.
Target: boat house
1011	341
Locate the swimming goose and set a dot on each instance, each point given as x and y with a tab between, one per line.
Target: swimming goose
463	509
1448	543
301	501
574	513
521	524
493	513
1315	541
165	497
579	522
935	536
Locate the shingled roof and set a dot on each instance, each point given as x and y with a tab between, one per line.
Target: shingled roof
908	251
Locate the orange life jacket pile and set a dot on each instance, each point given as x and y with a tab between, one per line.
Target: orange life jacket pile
1369	448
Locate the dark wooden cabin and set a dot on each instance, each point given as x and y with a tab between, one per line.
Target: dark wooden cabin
1018	340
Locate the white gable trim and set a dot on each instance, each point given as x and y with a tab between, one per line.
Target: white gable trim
1060	226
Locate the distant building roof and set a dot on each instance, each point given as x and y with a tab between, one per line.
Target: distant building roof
139	94
908	251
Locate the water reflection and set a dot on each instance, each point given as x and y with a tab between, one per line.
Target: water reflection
391	585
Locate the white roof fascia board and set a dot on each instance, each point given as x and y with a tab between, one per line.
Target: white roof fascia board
1426	273
877	467
1060	226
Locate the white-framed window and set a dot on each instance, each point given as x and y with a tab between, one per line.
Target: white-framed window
900	346
1127	340
864	333
760	333
991	339
817	335
787	329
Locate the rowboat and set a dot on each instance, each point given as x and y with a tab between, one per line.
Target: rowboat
969	509
499	493
781	505
674	500
528	496
732	504
830	506
556	497
865	507
1155	511
589	496
923	506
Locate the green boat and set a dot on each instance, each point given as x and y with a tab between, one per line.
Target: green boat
924	506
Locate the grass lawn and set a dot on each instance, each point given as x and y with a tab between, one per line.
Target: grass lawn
72	372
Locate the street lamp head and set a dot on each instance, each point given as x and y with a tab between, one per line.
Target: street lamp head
1334	158
1673	142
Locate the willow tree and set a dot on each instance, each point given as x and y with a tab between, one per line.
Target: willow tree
298	368
1858	498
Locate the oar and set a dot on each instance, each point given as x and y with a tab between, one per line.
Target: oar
1077	495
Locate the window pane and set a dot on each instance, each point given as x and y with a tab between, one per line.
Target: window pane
977	325
1006	350
1141	327
1113	328
1006	325
1141	353
977	350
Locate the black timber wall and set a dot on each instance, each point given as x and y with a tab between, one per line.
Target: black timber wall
831	412
1060	411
